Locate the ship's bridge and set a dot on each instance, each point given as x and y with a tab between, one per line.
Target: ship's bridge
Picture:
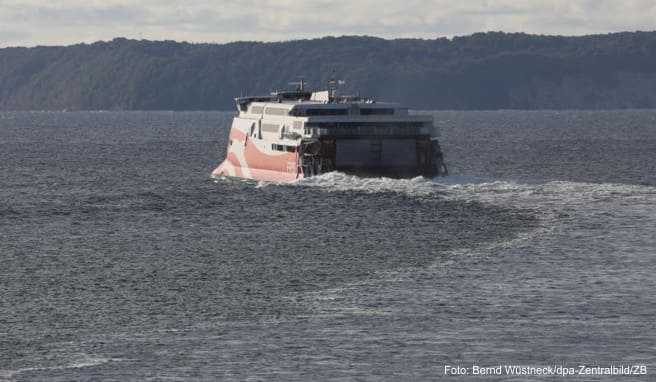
319	109
309	109
314	119
324	103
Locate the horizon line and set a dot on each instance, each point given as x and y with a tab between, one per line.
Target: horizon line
448	37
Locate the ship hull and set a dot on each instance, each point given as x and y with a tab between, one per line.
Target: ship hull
228	169
248	159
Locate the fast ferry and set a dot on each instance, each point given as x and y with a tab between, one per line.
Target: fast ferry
290	135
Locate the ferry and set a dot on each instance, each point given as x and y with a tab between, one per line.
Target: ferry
290	135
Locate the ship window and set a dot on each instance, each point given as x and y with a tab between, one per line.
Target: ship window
326	111
290	149
276	111
270	128
377	111
257	109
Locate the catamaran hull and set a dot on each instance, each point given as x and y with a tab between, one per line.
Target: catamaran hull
366	156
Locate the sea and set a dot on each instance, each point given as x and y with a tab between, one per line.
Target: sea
121	259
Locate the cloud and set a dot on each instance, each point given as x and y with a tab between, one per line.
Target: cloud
32	22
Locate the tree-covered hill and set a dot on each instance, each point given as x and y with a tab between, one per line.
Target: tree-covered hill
481	71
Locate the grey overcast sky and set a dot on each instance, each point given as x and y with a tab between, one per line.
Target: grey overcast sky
63	22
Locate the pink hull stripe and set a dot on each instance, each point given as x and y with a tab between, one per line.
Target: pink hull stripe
259	160
237	135
259	174
245	160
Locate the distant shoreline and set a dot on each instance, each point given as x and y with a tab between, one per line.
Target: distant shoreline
483	71
411	110
317	38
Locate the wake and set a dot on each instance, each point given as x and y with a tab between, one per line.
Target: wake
470	188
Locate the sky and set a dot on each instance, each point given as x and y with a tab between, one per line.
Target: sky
65	22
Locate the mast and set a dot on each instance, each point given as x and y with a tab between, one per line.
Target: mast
300	85
333	83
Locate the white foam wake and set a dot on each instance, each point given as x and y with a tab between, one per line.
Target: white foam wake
337	181
81	361
481	189
560	207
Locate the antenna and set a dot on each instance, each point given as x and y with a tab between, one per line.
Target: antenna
300	85
332	85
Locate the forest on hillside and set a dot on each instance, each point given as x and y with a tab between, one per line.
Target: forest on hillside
482	71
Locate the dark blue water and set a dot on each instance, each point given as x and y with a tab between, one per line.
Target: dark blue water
120	259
